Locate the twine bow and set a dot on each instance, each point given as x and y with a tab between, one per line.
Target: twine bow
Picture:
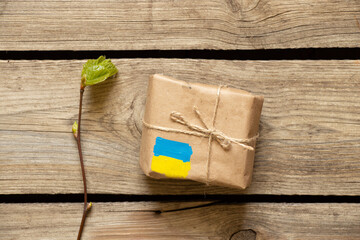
206	131
224	140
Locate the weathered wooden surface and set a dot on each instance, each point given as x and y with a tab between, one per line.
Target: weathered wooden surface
310	126
144	220
186	24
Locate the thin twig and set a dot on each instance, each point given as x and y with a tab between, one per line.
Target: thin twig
98	71
86	205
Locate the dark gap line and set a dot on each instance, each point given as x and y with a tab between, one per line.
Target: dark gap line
261	54
77	198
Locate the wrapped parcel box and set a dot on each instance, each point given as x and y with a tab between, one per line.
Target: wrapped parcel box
199	132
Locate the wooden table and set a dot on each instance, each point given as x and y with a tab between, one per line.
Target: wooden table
306	181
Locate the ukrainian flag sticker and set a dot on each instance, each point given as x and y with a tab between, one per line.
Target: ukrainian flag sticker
171	158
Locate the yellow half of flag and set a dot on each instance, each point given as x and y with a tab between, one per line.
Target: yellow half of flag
170	167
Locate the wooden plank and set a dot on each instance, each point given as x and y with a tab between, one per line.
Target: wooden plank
144	220
310	126
186	24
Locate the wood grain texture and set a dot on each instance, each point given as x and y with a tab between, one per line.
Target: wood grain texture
218	221
186	24
309	134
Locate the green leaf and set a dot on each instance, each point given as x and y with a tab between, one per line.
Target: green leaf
97	70
75	128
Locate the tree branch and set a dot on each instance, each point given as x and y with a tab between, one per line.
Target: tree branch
78	141
94	71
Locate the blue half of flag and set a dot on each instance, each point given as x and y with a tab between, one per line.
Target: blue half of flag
173	149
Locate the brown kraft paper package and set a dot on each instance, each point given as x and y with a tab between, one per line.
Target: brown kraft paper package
195	131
